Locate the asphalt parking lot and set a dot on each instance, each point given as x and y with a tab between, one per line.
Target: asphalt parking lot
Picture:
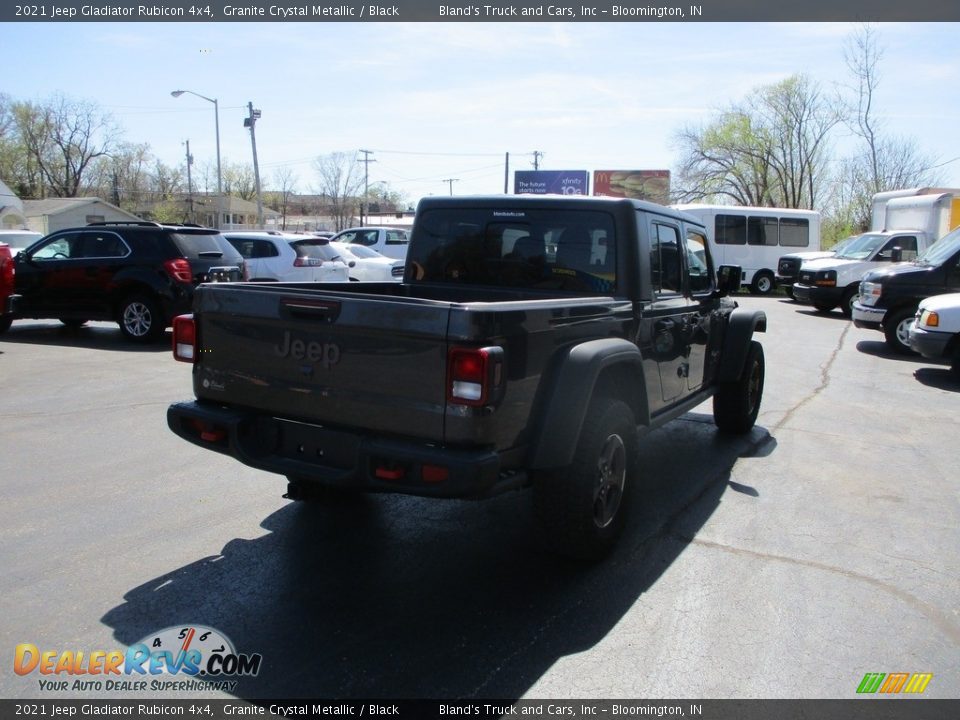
787	564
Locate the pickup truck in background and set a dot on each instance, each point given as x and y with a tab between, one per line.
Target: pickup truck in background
833	281
889	297
532	341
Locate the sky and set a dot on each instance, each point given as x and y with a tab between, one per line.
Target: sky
440	101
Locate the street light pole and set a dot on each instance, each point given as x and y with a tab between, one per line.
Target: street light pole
216	118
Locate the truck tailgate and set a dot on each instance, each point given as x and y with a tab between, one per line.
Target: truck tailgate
334	358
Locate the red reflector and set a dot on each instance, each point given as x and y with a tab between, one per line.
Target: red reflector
389	473
179	270
213	435
435	473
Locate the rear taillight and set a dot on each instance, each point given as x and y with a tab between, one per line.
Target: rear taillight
179	270
473	374
184	339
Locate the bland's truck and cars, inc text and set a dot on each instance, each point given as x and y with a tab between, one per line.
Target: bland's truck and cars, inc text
532	341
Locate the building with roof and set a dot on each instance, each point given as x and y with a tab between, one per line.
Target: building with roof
51	214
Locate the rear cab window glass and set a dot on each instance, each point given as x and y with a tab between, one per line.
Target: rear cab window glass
534	249
315	250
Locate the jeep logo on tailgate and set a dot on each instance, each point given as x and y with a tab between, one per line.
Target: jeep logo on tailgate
327	354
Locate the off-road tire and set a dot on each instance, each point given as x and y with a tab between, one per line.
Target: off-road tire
896	330
736	404
140	319
580	509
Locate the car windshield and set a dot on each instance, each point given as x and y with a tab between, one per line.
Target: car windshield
842	245
861	247
941	250
315	249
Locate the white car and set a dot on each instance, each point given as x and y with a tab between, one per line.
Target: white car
19	239
367	264
935	333
391	242
288	257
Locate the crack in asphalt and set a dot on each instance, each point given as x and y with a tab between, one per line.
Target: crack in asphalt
824	380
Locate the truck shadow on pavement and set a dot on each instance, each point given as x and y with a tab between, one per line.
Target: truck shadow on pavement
878	348
941	378
401	597
93	336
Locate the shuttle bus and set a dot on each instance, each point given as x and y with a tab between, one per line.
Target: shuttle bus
755	237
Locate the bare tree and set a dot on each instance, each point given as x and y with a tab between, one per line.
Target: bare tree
239	180
768	150
64	136
285	181
341	181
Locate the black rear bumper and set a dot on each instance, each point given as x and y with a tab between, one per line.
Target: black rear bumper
342	458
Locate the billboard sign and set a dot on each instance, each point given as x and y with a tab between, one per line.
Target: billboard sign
653	185
551	182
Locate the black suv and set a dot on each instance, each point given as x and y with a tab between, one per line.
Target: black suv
138	274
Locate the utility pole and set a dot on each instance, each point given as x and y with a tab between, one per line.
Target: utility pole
451	181
506	175
190	215
251	122
536	159
366	182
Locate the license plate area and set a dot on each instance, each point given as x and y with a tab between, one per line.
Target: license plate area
316	444
223	274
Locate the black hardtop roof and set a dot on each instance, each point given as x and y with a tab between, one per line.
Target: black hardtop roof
553	202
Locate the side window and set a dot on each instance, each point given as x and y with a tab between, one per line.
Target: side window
348	237
763	231
397	237
368	238
665	259
731	230
103	245
794	232
61	247
907	243
698	263
265	249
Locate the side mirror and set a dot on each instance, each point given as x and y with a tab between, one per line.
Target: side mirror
728	279
896	254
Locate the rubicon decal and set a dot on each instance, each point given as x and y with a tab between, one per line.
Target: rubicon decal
893	683
192	650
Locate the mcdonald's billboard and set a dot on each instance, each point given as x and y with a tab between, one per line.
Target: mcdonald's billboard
653	185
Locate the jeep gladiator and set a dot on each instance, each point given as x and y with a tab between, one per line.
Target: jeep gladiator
531	343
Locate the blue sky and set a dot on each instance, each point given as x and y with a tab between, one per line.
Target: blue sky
447	100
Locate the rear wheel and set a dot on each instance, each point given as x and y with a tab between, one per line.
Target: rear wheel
823	307
763	283
896	329
581	508
736	404
140	319
955	361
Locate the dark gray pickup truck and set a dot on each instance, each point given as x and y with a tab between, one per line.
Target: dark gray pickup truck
532	341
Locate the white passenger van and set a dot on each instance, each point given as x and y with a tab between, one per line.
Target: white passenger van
755	237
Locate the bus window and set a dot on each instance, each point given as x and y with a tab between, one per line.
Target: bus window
762	231
731	230
794	232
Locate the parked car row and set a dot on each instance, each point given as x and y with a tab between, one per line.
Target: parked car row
914	303
142	274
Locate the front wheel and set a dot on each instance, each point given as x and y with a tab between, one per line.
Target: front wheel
140	319
581	508
896	330
823	307
736	404
846	304
5	324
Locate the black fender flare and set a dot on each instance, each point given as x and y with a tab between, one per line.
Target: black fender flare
571	389
736	342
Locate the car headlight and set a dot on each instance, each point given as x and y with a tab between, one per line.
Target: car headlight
826	278
870	292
